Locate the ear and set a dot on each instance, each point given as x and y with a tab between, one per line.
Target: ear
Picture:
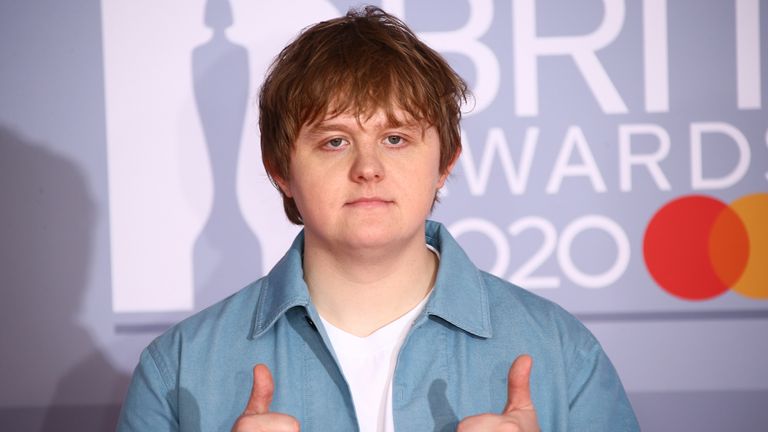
285	186
444	175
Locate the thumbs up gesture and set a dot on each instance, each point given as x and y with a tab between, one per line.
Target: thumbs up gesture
257	417
519	414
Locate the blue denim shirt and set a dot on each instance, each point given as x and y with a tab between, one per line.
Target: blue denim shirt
454	362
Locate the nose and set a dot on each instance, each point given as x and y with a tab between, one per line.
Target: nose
367	165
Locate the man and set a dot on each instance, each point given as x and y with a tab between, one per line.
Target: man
374	320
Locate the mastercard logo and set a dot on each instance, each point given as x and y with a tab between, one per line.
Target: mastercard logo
697	247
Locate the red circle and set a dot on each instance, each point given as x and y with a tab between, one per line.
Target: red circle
677	246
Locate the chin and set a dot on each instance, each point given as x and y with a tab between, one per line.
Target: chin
370	235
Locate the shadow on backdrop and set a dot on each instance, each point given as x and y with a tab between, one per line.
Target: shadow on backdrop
227	254
54	377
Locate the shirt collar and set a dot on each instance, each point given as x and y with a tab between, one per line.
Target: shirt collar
283	288
459	296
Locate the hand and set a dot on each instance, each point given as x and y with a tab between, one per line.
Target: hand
519	414
256	417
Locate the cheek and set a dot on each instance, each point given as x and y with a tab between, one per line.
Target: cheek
429	182
438	178
317	194
303	179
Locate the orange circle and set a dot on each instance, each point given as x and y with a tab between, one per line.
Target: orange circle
728	246
753	211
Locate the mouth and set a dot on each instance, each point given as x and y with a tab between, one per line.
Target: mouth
368	202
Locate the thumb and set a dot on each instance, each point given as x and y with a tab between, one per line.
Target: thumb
518	385
261	393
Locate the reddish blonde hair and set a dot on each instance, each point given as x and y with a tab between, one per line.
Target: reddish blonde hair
362	62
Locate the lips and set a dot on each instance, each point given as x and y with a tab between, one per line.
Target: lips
369	202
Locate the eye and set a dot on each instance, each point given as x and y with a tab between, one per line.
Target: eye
394	140
335	143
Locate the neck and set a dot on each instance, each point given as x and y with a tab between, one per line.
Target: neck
361	292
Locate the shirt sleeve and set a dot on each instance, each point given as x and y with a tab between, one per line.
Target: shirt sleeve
598	401
150	404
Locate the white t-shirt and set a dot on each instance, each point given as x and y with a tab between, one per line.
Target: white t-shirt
368	364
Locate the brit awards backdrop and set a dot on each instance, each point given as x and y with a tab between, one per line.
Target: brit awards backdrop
615	161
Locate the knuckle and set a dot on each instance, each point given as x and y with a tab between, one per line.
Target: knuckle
508	427
294	425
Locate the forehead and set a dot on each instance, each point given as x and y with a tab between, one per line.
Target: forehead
375	119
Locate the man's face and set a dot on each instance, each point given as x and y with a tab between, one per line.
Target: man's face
362	182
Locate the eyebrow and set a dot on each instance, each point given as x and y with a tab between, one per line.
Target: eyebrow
326	126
